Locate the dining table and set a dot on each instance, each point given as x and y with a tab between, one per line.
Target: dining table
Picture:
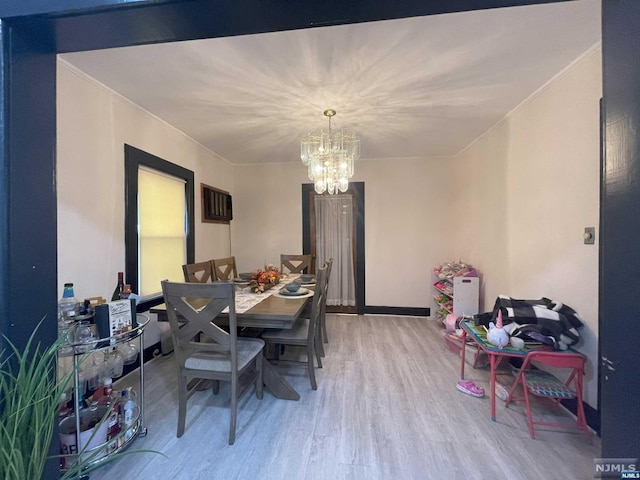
265	310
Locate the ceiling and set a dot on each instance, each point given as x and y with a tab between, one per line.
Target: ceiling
416	87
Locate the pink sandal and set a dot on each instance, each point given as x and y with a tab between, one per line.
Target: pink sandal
470	388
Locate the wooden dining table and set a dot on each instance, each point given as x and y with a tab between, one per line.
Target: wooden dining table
272	312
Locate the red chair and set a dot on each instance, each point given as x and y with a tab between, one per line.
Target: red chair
544	384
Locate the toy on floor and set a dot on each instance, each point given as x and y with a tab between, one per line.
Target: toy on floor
497	335
470	388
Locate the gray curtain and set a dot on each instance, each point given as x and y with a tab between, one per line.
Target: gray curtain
334	231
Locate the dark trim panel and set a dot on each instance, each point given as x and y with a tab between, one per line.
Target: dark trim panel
619	361
134	158
76	25
407	311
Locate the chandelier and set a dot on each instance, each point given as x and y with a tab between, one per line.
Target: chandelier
329	157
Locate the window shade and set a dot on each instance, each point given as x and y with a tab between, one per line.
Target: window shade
162	229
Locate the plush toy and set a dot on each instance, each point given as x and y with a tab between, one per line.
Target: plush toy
497	335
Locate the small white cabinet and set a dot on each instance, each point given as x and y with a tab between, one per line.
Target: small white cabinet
466	295
457	289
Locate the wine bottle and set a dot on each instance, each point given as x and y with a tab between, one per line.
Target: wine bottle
119	287
126	292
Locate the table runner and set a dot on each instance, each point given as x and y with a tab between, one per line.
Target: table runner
245	299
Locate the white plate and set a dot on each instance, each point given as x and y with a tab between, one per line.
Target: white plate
308	293
298	293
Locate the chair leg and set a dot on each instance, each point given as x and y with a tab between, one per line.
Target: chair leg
582	418
323	325
319	345
318	348
215	386
528	408
512	391
259	381
310	366
182	404
319	342
234	410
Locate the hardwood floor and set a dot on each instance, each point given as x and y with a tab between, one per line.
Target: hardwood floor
386	408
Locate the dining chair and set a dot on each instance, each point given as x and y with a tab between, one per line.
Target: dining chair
323	316
225	268
201	272
321	327
304	331
296	263
222	356
544	384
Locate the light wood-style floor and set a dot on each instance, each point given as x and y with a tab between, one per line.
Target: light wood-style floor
386	408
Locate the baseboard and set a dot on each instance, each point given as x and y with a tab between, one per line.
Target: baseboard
409	311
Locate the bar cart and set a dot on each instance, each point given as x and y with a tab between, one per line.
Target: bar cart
79	437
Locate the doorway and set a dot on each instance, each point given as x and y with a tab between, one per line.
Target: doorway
348	259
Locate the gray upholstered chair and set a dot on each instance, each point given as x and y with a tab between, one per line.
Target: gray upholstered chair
304	331
222	357
225	268
201	272
296	263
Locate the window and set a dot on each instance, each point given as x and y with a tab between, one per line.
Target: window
159	223
216	205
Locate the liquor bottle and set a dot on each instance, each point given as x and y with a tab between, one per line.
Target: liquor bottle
67	305
119	287
128	407
103	393
111	401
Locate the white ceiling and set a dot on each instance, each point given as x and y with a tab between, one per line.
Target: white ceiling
424	86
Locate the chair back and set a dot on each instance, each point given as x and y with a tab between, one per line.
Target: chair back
556	360
318	304
224	268
296	263
329	264
192	309
201	272
546	384
326	292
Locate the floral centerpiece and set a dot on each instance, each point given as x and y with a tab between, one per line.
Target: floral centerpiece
264	279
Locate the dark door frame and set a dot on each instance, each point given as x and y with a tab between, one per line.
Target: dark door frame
356	189
32	32
619	230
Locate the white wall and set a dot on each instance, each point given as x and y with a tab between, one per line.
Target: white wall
94	123
532	186
267	211
407	224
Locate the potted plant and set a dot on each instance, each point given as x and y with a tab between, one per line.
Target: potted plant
30	394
